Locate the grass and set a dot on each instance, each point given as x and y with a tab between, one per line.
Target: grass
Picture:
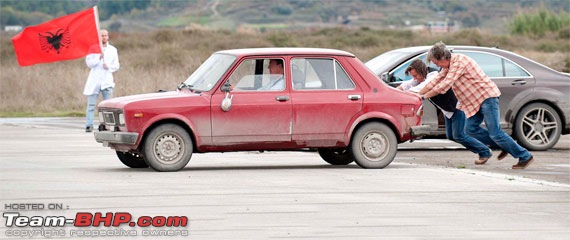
162	59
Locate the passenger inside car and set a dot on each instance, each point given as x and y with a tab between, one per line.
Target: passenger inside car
277	79
258	74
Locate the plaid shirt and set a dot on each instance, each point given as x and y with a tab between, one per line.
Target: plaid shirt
470	84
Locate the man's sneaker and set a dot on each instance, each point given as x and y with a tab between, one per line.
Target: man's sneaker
523	165
89	129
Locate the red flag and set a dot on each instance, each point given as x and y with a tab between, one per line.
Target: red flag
64	38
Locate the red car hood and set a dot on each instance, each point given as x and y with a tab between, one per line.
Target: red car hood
120	102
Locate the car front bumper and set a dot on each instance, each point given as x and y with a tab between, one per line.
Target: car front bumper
106	137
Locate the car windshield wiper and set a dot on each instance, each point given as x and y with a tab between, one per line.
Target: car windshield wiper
184	85
187	86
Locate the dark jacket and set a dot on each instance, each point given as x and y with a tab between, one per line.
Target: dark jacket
446	101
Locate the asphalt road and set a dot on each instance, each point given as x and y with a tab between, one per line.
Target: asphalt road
431	191
552	165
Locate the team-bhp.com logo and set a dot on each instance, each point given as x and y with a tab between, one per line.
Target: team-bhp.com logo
98	219
84	219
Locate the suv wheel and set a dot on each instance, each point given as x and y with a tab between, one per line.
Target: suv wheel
168	148
538	127
374	145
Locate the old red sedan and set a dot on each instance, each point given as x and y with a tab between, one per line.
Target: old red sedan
264	99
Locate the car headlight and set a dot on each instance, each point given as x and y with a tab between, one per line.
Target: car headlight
109	118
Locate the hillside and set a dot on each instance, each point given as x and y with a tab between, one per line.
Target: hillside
263	15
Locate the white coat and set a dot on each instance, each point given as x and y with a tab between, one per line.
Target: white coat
99	77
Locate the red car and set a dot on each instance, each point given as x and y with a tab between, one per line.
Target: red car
320	99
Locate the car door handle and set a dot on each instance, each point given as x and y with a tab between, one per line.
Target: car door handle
353	97
282	98
518	82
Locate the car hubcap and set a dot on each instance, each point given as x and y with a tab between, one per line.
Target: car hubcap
539	125
168	148
374	146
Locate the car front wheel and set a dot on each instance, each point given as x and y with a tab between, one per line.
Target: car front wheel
132	160
336	156
374	145
168	148
538	127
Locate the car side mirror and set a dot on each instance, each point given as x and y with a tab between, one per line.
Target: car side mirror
227	102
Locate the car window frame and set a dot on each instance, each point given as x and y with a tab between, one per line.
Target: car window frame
335	63
407	63
265	72
462	51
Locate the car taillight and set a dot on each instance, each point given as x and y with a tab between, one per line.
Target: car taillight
420	111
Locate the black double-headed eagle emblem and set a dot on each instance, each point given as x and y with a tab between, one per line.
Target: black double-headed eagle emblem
55	41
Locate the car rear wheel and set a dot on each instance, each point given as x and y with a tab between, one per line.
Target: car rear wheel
132	160
336	156
538	127
374	145
168	148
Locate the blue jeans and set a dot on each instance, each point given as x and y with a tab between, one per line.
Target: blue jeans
455	131
494	135
92	101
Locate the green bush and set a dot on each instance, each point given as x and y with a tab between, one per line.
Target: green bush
539	23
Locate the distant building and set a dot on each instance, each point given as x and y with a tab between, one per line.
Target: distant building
441	26
13	28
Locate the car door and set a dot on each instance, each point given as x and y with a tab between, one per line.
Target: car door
256	116
514	82
324	101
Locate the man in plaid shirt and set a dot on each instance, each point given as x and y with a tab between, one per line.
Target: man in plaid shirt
478	97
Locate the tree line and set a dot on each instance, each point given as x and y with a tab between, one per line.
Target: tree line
541	22
26	13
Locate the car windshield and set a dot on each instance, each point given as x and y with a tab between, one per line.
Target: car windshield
208	74
381	63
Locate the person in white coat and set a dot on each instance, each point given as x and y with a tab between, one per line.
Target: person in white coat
100	79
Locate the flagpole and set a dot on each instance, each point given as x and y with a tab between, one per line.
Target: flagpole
96	13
